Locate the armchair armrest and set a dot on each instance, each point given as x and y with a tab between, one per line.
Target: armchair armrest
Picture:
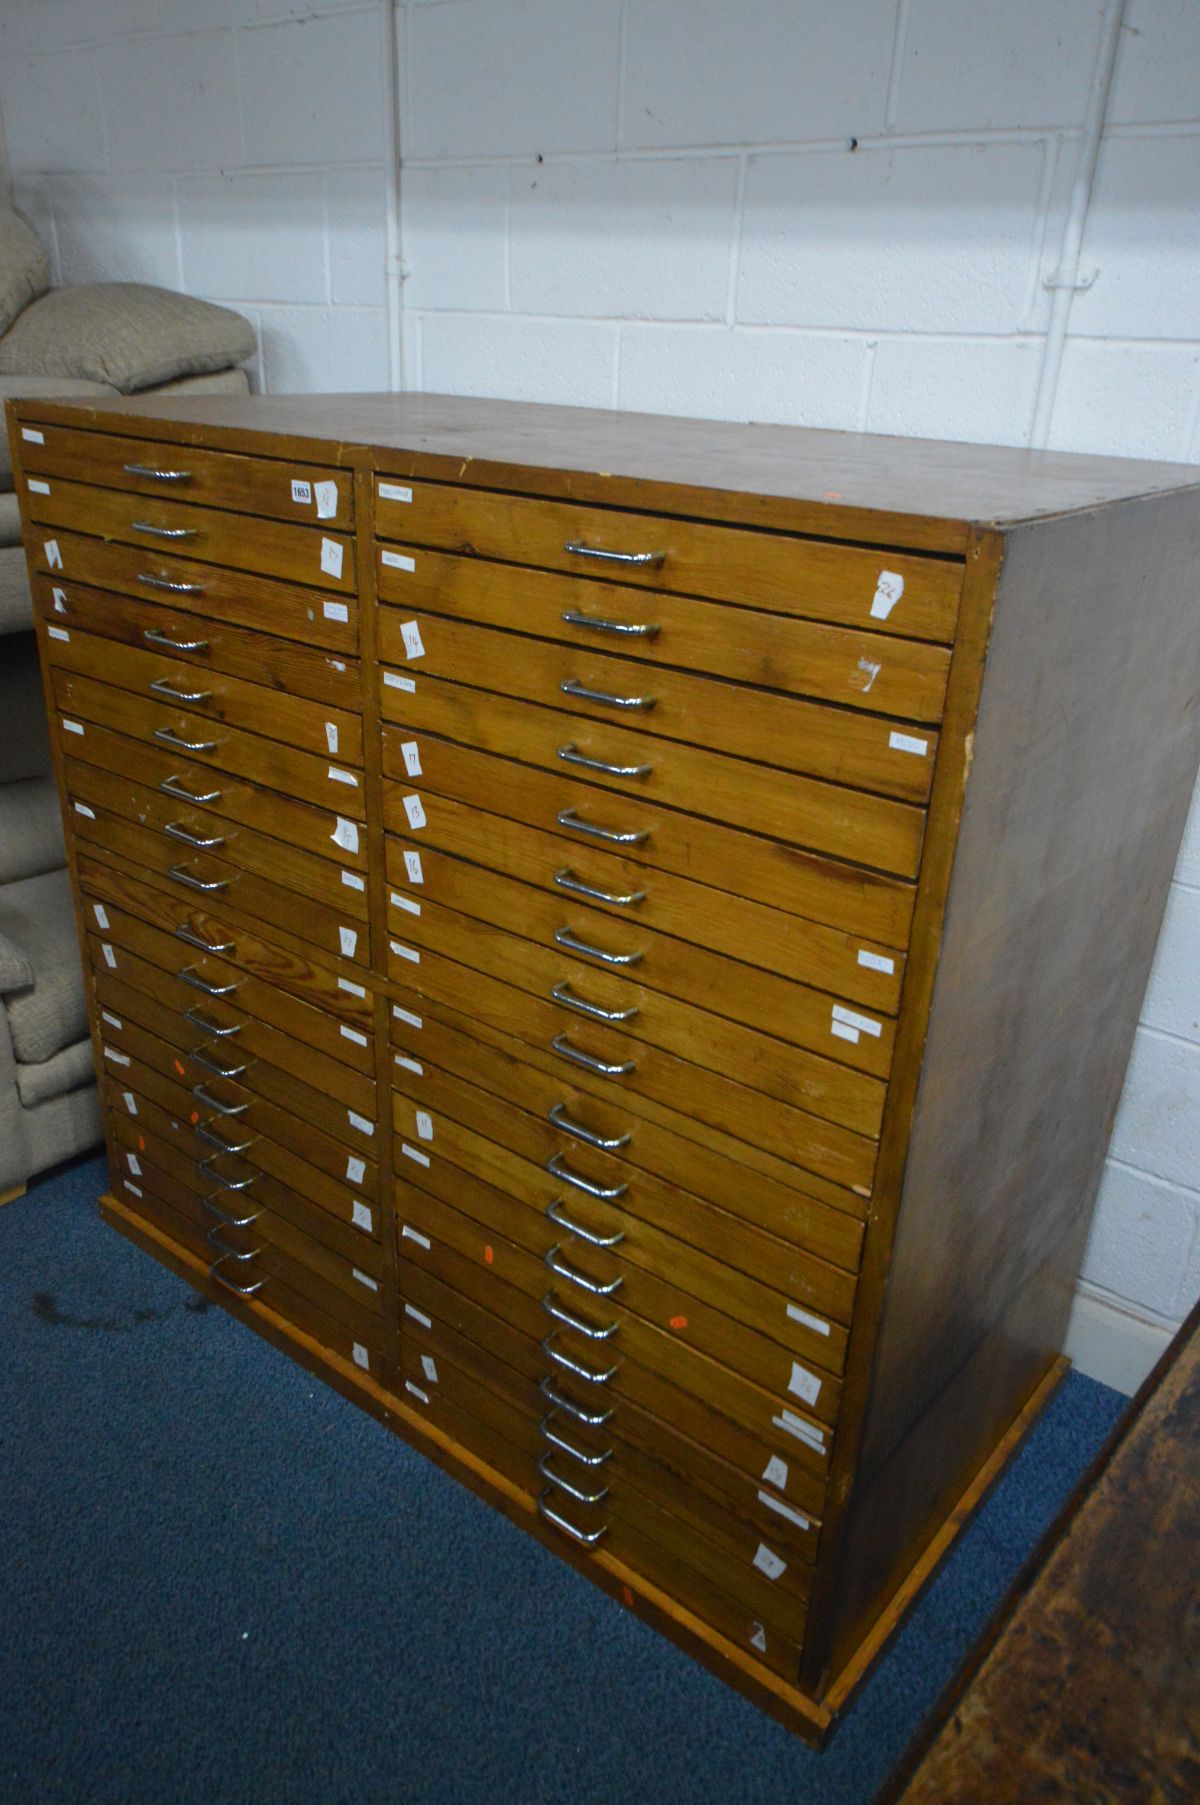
16	973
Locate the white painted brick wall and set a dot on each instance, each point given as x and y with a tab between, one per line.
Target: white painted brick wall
655	204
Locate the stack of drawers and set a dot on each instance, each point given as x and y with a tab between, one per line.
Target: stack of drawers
199	621
654	804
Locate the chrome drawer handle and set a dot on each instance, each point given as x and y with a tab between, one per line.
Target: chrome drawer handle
558	1215
222	1109
642	559
164	532
214	1140
227	1184
202	1022
213	1234
182	932
173	739
566	880
557	1440
573	1366
153	637
562	993
558	1115
576	1278
571	755
158	476
574	618
242	1290
591	1419
564	937
605	1193
181	833
171	786
571	686
197	883
203	1059
565	1485
162	687
586	1537
560	1044
191	976
552	1307
566	817
206	1203
153	582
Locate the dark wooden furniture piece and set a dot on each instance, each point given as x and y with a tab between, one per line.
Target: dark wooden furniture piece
617	941
1084	1686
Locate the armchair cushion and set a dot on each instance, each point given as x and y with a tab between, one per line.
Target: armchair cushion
39	388
16	602
24	267
31	838
65	1072
10	519
16	973
37	918
124	333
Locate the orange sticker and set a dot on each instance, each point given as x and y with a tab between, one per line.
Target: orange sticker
488	1255
141	1143
627	1597
833	495
194	1117
180	1067
679	1322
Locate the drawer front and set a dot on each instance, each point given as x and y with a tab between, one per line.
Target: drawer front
220	700
662	1145
261	658
269	548
892	592
801	811
199	932
841	745
875	671
83	702
328	622
283	490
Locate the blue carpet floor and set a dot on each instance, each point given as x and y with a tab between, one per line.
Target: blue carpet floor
223	1583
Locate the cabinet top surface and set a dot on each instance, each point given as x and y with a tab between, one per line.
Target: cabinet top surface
778	474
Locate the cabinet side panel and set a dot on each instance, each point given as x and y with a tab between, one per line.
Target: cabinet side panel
1086	750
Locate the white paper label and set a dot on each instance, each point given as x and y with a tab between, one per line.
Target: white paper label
352	881
406	903
53	555
110	958
355	1169
59	633
360	1040
429	1368
414	811
410	633
424	1126
394	680
758	1638
905	742
327	500
409	1065
106	1015
134	1164
348	938
791	1424
414	1234
414	1153
776	1473
117	1058
81	808
361	1356
394	492
405	952
876	961
784	1510
335	774
364	1279
136	1190
331	735
361	1216
861	1024
416	1391
409	750
36	486
888	591
130	1102
345	834
412	864
335	611
72	726
360	1122
426	1322
302	493
355	990
768	1562
33	436
398	561
414	1021
810	1321
332	553
806	1385
60	600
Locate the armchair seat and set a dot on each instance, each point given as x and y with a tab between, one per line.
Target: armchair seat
49	1013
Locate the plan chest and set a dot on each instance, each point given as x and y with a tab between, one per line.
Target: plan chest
616	941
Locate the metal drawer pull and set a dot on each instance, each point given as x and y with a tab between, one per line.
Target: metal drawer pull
574	618
571	686
571	755
552	1307
161	687
153	582
573	1366
591	1419
560	1441
191	976
642	559
558	1216
560	1044
222	1109
214	1140
202	1058
213	1234
558	1115
173	739
606	1193
206	1203
242	1290
585	1284
158	476
205	946
565	1485
171	786
588	1537
164	532
197	883
181	833
562	993
205	1026
153	637
566	817
566	880
227	1184
564	937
